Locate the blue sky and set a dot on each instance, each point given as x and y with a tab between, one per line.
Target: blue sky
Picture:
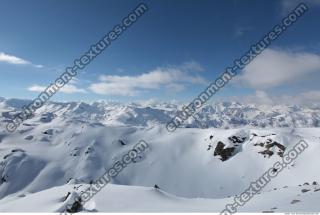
172	52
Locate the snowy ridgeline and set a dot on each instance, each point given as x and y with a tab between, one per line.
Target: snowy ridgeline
218	115
66	146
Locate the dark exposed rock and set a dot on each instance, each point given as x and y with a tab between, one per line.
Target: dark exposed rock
89	150
224	153
268	145
66	197
2	180
259	144
209	147
280	153
267	135
75	152
17	150
218	148
282	147
305	190
75	207
295	201
122	142
314	183
211	136
236	139
266	152
306	183
49	131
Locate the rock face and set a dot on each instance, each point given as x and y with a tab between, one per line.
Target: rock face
235	139
270	147
229	146
225	153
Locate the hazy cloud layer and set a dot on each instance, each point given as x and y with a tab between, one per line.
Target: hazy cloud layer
276	67
69	88
308	98
171	78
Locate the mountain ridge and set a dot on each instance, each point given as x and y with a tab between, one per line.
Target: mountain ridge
218	115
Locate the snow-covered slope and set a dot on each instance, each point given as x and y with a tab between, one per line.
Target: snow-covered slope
119	198
81	141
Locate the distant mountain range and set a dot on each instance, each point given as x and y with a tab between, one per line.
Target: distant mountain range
219	115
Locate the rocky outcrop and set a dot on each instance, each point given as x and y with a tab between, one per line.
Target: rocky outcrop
225	153
270	147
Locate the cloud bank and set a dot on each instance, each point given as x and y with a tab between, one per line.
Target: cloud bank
307	98
274	68
173	79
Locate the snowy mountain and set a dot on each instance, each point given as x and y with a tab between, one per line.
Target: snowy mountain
218	115
67	146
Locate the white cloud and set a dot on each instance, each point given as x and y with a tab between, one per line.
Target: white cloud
273	68
310	97
36	88
112	89
69	88
260	97
38	66
74	81
175	87
12	59
172	78
16	60
192	66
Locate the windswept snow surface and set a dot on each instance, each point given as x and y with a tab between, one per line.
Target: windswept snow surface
66	145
